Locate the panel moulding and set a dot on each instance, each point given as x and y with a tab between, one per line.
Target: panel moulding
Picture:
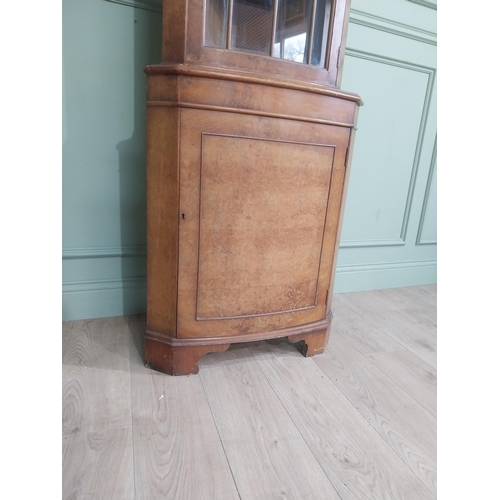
431	73
151	5
97	285
372	243
356	278
419	240
383	266
426	3
104	252
392	27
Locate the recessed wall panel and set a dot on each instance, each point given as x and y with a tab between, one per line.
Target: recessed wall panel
386	145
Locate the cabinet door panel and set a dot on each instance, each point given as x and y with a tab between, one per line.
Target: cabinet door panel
262	219
259	205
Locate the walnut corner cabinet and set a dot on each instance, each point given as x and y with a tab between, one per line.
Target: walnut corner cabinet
248	140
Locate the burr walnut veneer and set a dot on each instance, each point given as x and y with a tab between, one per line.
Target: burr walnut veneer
247	174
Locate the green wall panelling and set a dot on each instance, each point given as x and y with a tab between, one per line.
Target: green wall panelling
427	229
101	299
404	15
391	63
385	275
389	132
106	45
389	232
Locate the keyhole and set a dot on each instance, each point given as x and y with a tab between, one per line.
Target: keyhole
183	216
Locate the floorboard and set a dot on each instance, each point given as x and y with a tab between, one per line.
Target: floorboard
177	450
268	456
359	463
403	423
361	332
425	317
259	421
98	464
414	376
402	298
97	433
410	335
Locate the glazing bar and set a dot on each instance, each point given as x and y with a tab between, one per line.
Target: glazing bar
229	24
311	32
275	20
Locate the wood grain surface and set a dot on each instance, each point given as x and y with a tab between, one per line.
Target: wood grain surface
97	415
424	317
162	219
262	203
258	431
247	168
177	450
259	421
414	376
214	228
196	124
360	331
413	297
407	427
410	335
355	457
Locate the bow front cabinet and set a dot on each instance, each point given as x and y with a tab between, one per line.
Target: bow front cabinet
247	165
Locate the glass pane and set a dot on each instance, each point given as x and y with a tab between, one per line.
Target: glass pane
320	37
294	48
216	23
252	25
293	30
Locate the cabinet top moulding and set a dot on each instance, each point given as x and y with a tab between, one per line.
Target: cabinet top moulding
249	77
184	42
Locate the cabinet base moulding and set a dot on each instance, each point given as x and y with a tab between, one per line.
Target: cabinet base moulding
177	356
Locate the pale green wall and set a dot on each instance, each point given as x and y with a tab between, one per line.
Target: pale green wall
389	233
105	48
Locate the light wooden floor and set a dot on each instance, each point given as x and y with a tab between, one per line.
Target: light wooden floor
259	421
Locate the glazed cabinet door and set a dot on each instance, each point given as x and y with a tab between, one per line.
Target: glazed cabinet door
259	205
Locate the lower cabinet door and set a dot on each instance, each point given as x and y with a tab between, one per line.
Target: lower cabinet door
259	209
